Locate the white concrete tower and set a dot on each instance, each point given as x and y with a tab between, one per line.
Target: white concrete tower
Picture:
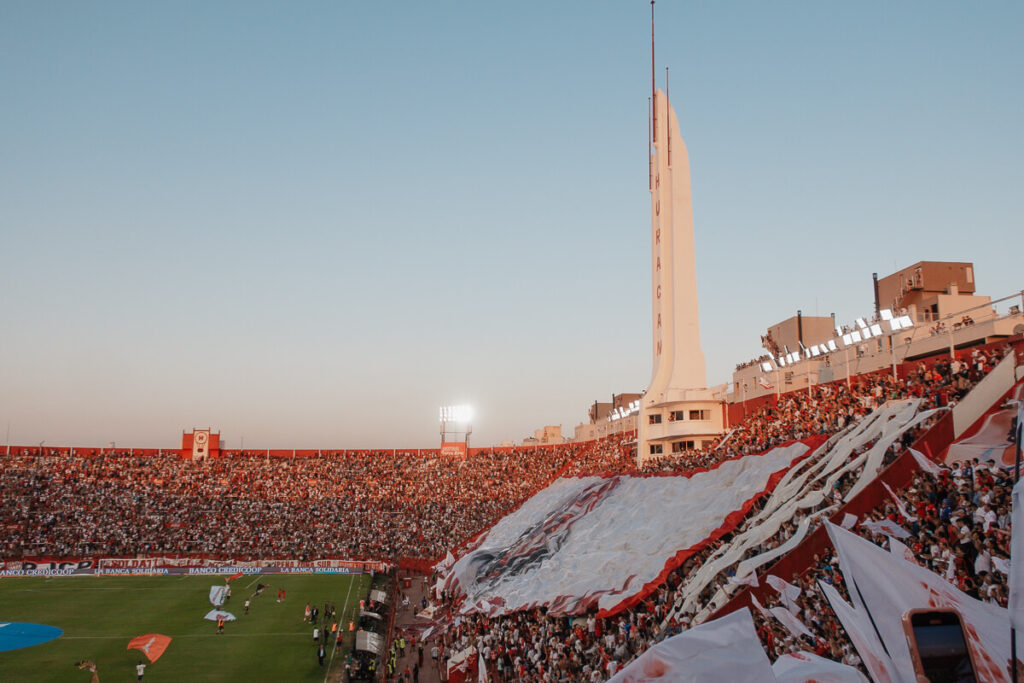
678	412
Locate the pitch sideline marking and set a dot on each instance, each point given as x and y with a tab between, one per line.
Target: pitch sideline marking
341	625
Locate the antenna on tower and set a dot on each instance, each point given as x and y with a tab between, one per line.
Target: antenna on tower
650	157
654	93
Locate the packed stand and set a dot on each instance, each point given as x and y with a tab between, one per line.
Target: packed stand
963	517
347	505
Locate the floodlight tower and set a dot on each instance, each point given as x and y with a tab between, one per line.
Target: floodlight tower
677	412
456	421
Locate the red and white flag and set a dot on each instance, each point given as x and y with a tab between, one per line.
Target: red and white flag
788	591
925	463
801	667
237	575
152	645
900	550
886	527
725	650
887	586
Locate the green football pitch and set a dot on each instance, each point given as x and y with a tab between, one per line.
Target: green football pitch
99	615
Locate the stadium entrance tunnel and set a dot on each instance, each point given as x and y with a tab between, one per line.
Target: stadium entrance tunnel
17	634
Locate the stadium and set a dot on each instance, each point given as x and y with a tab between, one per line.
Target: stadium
778	526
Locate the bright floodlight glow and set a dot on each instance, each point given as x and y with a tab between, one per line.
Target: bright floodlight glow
462	413
886	314
856	336
815	351
766	366
876	329
832	345
894	324
905	321
861	324
848	339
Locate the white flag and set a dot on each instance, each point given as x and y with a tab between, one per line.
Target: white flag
926	463
748	580
788	591
899	504
848	521
217	595
863	636
885	527
481	666
725	650
1016	603
792	624
801	667
888	586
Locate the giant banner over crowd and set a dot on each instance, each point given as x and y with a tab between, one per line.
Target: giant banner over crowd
609	541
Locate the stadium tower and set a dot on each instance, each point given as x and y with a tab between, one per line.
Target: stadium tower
677	412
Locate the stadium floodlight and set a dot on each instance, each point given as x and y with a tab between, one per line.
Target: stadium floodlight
814	351
876	329
861	323
905	321
855	335
461	414
832	346
886	314
894	324
848	339
866	332
808	354
780	361
766	366
839	331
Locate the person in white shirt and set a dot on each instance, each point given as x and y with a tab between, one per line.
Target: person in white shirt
140	669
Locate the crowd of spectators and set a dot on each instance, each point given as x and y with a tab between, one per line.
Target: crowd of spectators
962	517
391	505
353	506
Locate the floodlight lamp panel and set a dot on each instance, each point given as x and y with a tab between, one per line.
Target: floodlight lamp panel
856	336
832	346
876	329
906	321
861	323
848	339
886	314
766	366
894	324
815	352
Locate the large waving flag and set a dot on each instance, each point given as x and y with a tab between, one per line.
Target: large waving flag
863	636
217	595
886	586
725	650
801	667
152	645
608	542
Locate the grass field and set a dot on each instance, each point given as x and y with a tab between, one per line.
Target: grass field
99	615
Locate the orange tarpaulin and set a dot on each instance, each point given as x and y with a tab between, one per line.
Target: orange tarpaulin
151	644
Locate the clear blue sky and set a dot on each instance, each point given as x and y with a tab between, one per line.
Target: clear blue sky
310	224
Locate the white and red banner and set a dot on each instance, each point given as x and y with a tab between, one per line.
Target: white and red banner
607	542
725	650
886	586
801	667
